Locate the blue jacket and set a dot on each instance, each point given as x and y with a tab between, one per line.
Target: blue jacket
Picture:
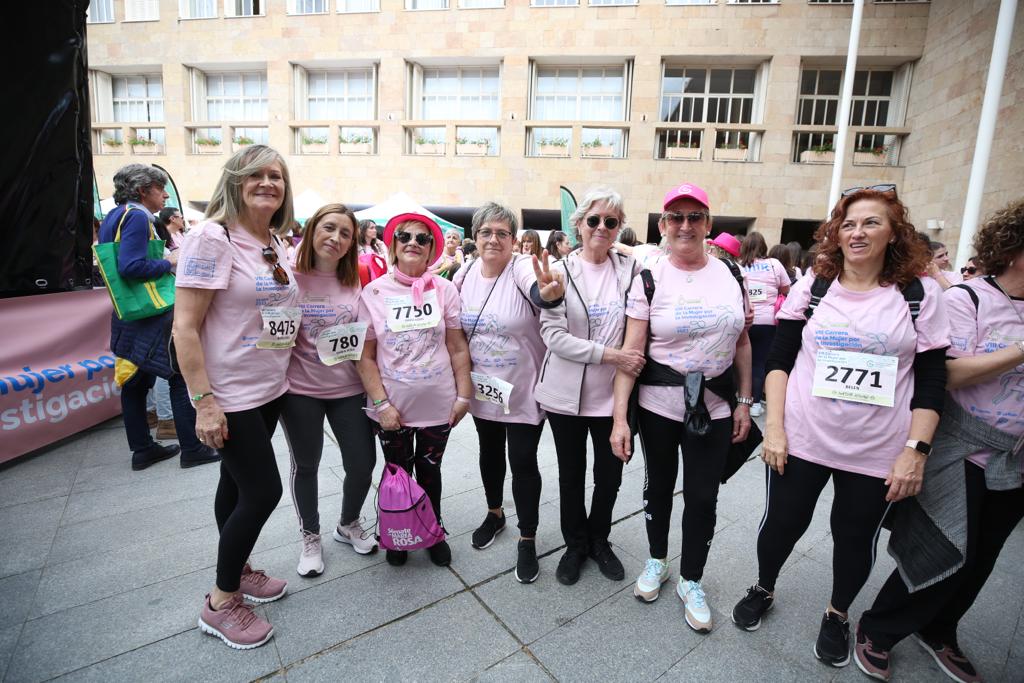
131	256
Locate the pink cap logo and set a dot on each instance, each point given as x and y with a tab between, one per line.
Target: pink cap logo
684	189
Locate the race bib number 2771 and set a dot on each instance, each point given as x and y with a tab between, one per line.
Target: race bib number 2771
857	377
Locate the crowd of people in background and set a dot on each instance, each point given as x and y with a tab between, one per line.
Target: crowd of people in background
875	366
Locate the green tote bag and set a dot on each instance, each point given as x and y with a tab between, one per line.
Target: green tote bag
134	299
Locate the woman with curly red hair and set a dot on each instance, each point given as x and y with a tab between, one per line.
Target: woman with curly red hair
854	391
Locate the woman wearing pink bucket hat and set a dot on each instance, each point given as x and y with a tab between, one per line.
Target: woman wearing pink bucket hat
728	244
415	362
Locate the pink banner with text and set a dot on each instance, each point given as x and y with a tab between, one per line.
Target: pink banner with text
56	369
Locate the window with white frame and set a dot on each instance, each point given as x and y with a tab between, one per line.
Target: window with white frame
258	135
197	9
137	98
457	92
308	6
244	8
708	95
753	2
234	97
340	94
830	2
554	3
481	4
352	6
690	2
100	12
141	10
613	2
580	93
426	4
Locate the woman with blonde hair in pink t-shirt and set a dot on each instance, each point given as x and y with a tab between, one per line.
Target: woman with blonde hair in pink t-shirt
323	383
855	389
235	322
415	362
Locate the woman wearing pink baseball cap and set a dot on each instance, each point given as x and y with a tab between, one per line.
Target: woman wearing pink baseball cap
415	362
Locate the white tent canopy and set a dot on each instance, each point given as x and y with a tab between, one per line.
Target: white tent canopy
401	203
306	205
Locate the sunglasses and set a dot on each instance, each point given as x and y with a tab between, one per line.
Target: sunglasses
422	238
610	222
887	187
695	218
968	270
280	275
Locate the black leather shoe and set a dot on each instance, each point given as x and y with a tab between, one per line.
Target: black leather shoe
154	454
396	558
601	552
203	456
440	554
568	571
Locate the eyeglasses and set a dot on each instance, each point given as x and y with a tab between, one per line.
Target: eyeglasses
280	275
887	187
610	222
486	233
422	238
968	270
694	218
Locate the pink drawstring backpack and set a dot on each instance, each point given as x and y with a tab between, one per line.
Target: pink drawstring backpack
405	517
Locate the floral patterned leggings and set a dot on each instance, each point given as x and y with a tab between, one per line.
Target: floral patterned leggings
422	448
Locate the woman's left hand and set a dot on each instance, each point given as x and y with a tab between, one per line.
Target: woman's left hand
459	410
906	476
740	422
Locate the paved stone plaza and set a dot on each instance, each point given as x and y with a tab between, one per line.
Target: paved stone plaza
102	573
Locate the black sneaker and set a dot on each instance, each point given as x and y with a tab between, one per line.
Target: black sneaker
833	646
152	455
601	552
396	558
440	554
203	456
870	658
950	659
568	571
527	567
748	612
492	526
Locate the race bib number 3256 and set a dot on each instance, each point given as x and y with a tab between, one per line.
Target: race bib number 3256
403	315
858	377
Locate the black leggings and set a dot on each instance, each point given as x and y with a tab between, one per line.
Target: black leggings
857	511
761	337
421	448
703	465
302	418
936	611
522	455
249	488
570	432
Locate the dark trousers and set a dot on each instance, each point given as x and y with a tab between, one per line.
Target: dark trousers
703	465
857	511
302	418
761	337
570	432
522	456
936	611
133	412
419	449
249	488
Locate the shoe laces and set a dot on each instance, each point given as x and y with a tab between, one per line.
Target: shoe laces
256	577
695	592
653	569
354	529
836	625
242	614
310	544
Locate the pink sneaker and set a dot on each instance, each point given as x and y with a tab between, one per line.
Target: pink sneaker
258	587
235	623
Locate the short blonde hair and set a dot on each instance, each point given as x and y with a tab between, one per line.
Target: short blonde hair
401	227
226	203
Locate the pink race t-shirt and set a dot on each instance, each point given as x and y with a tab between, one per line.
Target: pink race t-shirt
414	364
503	328
324	302
846	435
241	376
606	311
695	319
765	277
993	326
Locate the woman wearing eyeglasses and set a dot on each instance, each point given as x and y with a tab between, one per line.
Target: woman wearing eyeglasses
415	362
972	498
235	321
855	387
583	335
692	324
501	303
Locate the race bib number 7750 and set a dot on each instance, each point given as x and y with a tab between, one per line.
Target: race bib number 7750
403	315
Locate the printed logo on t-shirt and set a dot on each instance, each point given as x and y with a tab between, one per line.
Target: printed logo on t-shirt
414	351
204	268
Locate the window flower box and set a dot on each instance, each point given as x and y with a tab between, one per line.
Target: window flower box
471	148
813	156
730	153
428	147
145	146
240	142
869	157
313	145
592	150
355	144
554	147
111	146
208	146
682	152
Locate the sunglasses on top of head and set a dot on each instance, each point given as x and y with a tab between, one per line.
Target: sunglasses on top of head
610	222
280	275
422	238
887	187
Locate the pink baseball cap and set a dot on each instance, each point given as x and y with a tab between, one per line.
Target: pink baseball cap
687	190
728	243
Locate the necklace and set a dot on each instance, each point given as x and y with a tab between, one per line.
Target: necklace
1009	299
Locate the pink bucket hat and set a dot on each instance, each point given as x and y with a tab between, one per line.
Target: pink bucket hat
687	190
727	243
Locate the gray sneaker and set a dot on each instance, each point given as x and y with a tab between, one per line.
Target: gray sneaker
353	533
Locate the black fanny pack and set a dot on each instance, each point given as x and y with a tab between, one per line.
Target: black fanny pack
698	420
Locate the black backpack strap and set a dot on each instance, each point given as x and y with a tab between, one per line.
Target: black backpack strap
736	272
648	280
970	292
819	288
913	293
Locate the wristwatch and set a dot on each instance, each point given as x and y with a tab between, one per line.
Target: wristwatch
922	447
745	400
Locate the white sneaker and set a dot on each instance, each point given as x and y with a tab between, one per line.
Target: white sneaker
648	584
698	614
361	541
757	410
311	561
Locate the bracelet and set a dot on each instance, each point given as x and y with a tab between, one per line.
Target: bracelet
461	399
379	401
196	398
745	400
1020	345
382	405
